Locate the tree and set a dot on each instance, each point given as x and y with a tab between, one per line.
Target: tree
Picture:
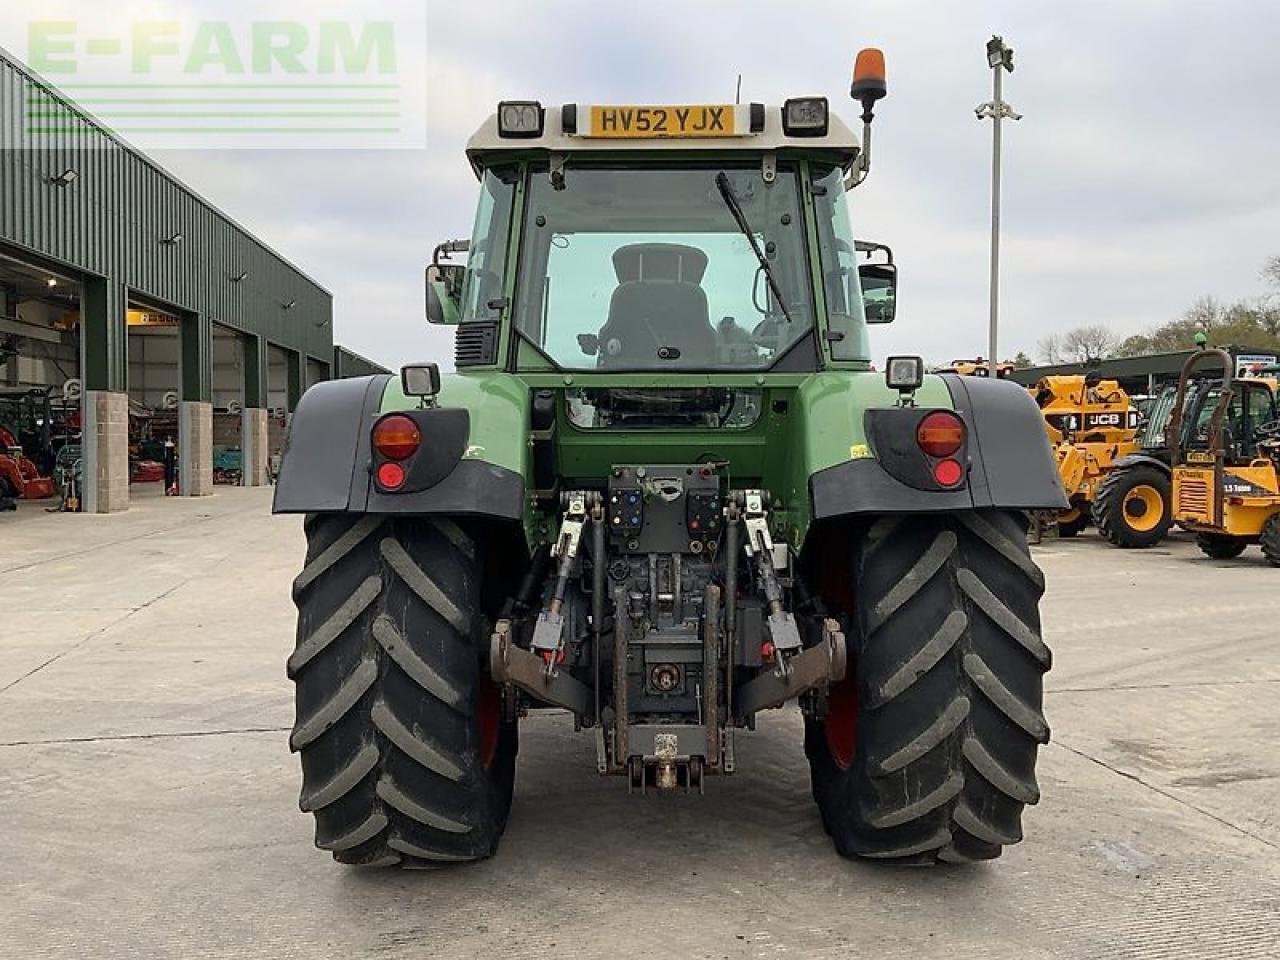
1269	316
1080	345
1022	361
1271	271
1244	323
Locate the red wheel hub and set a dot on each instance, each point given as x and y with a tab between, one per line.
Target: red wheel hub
488	719
842	721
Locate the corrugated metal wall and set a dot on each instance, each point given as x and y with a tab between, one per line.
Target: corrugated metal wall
113	221
348	364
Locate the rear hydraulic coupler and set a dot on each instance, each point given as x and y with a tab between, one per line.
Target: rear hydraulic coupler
535	671
548	632
784	635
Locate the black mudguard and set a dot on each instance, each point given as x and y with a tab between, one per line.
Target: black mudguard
1011	465
328	457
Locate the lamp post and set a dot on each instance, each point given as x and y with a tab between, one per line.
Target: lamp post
999	59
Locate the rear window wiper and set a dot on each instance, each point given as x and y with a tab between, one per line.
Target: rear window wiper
735	208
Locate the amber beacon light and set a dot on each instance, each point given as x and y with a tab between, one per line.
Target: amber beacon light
868	86
868	79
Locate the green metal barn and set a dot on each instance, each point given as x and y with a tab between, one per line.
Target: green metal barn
127	298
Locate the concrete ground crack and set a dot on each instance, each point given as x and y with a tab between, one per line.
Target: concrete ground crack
187	734
1166	794
93	635
1159	686
115	543
119	620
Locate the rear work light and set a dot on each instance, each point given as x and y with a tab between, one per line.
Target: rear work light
520	119
396	437
940	434
805	117
904	374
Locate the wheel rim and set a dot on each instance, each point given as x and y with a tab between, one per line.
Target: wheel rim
488	719
1143	508
841	724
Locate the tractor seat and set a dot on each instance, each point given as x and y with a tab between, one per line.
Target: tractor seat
646	316
658	305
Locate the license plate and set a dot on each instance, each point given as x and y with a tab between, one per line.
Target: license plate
651	123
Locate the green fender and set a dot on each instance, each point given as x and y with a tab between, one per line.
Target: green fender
499	408
477	466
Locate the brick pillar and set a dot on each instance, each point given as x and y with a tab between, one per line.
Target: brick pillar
253	443
195	449
105	452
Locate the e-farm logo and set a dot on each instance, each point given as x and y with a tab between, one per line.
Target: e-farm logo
234	82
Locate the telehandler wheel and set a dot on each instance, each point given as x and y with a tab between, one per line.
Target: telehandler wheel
1271	540
1073	522
1219	546
928	748
406	758
1134	507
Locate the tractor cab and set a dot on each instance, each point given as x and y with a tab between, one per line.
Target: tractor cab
1249	410
658	272
1224	438
666	241
1198	401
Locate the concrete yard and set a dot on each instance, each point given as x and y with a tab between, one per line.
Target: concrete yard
148	799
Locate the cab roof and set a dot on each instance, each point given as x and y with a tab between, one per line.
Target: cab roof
487	145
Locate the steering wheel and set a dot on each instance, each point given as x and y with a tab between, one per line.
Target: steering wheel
767	333
1269	430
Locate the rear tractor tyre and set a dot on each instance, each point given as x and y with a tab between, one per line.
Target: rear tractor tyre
406	758
1219	546
1134	507
1271	540
928	748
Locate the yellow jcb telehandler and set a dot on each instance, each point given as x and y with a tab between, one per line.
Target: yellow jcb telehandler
977	368
1093	428
1224	439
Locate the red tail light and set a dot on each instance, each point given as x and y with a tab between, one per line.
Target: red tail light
940	434
391	476
948	473
396	437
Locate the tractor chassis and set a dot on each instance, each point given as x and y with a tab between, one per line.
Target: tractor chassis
686	647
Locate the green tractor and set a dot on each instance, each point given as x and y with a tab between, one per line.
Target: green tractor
666	491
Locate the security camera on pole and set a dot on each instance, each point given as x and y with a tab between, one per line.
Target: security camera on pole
999	59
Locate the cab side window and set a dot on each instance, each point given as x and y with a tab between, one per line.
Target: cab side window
1259	409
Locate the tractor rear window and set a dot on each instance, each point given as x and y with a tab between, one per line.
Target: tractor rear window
649	269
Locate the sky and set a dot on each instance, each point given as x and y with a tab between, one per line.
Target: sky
1142	177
